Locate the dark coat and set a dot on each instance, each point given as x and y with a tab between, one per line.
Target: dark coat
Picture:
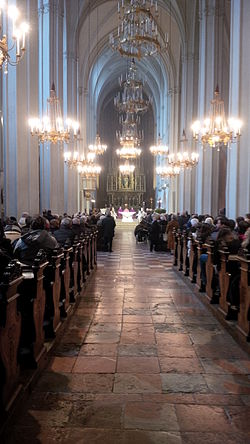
155	231
29	244
108	224
64	234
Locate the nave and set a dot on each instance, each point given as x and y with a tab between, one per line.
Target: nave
143	361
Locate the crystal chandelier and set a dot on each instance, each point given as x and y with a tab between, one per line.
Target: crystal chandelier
51	127
18	38
216	130
137	34
87	168
128	152
167	171
159	149
126	168
184	159
73	159
131	98
98	148
130	135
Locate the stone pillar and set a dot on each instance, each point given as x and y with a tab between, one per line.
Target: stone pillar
212	71
238	168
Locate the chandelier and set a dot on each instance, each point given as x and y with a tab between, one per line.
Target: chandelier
98	148
183	159
216	130
51	127
18	39
126	168
73	159
87	168
137	34
159	149
131	98
130	135
167	171
128	152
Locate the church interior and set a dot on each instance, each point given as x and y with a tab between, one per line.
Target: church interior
124	221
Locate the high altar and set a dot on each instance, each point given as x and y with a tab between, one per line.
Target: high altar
128	189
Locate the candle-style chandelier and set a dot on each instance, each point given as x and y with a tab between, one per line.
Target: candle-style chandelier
130	135
18	43
137	34
87	168
126	168
131	98
168	171
183	159
98	148
73	159
216	130
51	127
159	149
128	152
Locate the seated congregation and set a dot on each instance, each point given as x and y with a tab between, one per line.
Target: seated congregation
45	263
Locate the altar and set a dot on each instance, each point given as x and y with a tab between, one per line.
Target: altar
127	216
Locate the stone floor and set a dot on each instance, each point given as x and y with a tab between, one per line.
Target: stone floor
143	361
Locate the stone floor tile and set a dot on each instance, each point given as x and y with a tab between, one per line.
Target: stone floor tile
184	383
180	365
62	364
80	383
236	384
102	338
98	350
146	437
137	350
226	366
96	414
176	351
94	364
199	418
214	438
174	339
150	416
240	417
140	364
137	383
133	319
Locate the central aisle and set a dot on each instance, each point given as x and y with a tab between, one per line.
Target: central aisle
143	361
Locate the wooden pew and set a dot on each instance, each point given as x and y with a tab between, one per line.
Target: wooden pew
65	281
52	283
212	293
193	261
230	311
73	264
79	266
185	254
244	311
10	331
179	251
32	307
175	258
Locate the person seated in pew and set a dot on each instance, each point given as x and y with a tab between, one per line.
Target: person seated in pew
38	238
76	227
246	243
6	250
65	233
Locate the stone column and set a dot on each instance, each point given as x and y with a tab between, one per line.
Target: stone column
238	168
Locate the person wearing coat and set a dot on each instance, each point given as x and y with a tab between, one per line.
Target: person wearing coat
108	224
155	232
172	225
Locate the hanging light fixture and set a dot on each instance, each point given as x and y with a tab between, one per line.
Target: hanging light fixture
216	130
98	147
87	168
130	135
128	152
126	168
131	98
18	43
73	159
159	149
51	127
167	171
183	159
137	34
